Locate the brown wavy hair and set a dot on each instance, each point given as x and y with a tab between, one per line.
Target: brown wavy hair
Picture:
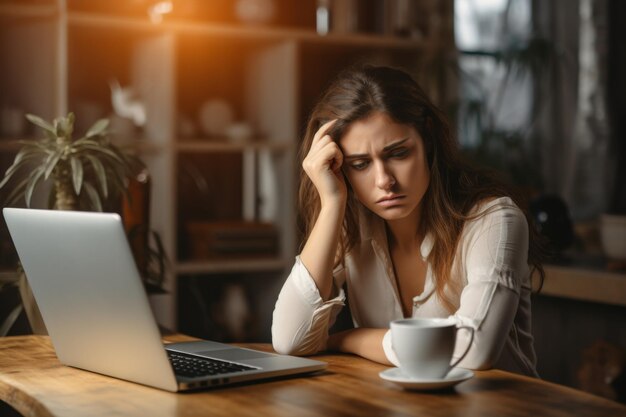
455	188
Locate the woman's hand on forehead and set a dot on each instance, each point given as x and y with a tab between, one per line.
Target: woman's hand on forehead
323	165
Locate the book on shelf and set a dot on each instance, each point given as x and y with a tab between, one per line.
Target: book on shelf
232	239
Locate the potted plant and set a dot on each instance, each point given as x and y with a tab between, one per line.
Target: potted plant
90	174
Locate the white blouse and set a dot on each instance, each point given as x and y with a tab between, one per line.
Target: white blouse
490	266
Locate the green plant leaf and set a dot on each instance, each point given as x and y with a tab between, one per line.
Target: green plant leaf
159	254
93	196
24	152
51	136
41	144
99	149
120	170
100	174
38	121
77	173
17	193
120	174
123	189
9	174
51	162
113	177
85	140
33	179
105	174
23	161
98	128
160	248
118	183
29	151
69	124
58	127
6	179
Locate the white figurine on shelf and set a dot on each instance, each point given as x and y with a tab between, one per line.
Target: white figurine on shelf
126	105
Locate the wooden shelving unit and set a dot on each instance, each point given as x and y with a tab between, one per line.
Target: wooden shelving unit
57	59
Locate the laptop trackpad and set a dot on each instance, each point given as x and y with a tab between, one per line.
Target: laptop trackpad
234	354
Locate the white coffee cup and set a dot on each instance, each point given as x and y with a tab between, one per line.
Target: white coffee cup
424	346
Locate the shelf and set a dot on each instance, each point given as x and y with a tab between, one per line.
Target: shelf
249	33
208	145
269	75
15	10
243	32
143	146
585	284
235	265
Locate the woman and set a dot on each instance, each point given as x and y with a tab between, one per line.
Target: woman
391	212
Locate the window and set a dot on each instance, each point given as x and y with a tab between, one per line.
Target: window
495	99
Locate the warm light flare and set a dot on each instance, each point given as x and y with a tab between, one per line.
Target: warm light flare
158	10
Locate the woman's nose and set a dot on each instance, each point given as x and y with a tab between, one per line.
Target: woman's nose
384	178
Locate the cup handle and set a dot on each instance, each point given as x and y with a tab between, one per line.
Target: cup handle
468	346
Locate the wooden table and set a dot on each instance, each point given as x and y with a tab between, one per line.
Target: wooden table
34	382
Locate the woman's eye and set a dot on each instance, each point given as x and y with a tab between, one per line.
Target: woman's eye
359	165
399	153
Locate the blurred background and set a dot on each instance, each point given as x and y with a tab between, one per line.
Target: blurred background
214	96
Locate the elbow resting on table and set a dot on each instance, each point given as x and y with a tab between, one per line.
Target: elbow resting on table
285	345
477	365
291	349
479	360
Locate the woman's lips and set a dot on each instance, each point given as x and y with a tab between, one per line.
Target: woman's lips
390	201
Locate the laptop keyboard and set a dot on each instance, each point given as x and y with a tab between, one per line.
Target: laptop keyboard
194	366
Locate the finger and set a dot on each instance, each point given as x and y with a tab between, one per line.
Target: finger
332	155
337	162
321	132
328	155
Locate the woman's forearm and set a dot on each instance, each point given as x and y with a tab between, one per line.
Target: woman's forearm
367	343
318	255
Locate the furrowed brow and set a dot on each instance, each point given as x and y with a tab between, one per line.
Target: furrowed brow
394	145
355	156
386	149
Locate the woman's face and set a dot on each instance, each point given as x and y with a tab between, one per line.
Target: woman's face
386	165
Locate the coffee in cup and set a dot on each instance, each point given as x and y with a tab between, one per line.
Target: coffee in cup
424	346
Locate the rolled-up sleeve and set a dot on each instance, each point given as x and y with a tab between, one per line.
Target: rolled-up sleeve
495	266
493	261
301	318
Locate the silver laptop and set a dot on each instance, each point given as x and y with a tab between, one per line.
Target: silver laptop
85	281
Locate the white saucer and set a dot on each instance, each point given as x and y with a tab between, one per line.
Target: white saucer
455	376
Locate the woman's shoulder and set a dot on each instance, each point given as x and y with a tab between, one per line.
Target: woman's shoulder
495	210
496	222
493	205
